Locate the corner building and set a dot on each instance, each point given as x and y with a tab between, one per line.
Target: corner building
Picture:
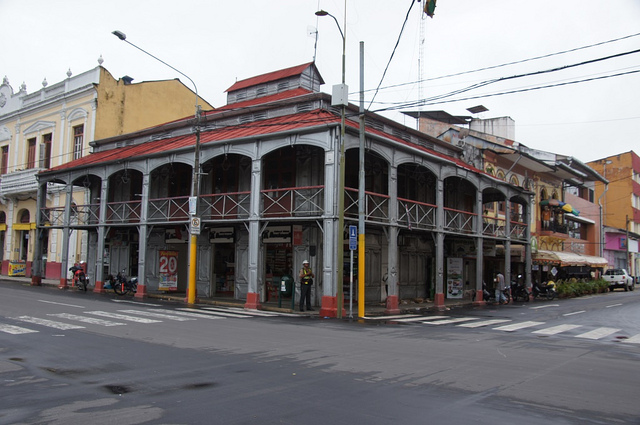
268	197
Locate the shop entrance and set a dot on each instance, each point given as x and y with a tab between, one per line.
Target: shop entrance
278	263
224	269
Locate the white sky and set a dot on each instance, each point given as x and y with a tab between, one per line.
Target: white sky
217	42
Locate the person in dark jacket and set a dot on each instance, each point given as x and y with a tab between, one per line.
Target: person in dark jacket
306	280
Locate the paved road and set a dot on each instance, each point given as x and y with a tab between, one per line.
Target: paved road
68	358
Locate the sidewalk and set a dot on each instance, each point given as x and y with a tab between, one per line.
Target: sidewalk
417	306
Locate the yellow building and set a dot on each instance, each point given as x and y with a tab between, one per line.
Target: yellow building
58	124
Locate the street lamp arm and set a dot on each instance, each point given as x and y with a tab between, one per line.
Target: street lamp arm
325	13
122	36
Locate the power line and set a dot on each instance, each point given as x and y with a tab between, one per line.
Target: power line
510	63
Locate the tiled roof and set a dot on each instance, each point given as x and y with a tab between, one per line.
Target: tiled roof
270	76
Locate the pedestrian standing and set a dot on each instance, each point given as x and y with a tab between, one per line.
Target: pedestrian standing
500	287
306	280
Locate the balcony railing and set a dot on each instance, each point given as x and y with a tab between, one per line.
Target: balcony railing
293	202
416	215
376	205
221	206
459	221
19	182
307	201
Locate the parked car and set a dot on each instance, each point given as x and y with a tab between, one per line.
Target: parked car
619	278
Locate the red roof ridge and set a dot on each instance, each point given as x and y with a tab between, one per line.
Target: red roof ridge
269	76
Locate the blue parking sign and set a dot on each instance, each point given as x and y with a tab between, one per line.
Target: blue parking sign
353	238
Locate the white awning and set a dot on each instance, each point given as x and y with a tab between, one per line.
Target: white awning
564	259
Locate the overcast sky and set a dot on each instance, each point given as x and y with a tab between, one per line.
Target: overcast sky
218	42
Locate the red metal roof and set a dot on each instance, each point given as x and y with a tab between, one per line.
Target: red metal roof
270	76
253	129
260	100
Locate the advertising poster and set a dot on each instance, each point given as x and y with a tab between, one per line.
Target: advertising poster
454	278
168	271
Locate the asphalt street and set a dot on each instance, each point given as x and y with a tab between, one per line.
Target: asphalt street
72	358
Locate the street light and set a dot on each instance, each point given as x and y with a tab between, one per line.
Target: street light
195	189
343	92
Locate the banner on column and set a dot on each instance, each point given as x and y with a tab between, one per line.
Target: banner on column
168	271
454	278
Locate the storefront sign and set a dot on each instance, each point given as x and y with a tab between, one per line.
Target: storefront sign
277	234
297	235
222	235
168	271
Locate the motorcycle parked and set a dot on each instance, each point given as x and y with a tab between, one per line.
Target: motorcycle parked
121	285
545	290
80	279
519	290
489	296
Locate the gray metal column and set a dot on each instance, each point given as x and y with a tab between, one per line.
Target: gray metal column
100	277
142	238
507	242
37	269
393	295
479	244
439	293
253	296
65	236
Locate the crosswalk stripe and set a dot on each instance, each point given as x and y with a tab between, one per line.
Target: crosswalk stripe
123	317
84	319
516	326
218	313
48	323
239	311
483	323
598	333
15	330
556	329
158	315
420	318
191	313
449	321
398	316
265	313
633	340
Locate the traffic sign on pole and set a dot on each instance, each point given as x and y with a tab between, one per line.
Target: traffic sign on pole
353	238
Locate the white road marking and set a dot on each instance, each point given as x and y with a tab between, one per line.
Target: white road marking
15	330
135	302
398	316
419	319
517	326
157	315
48	323
123	317
67	305
216	313
598	333
190	314
613	305
483	323
544	306
556	329
449	321
84	319
264	313
236	312
633	340
575	312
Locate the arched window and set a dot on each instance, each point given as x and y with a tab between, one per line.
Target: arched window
25	217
